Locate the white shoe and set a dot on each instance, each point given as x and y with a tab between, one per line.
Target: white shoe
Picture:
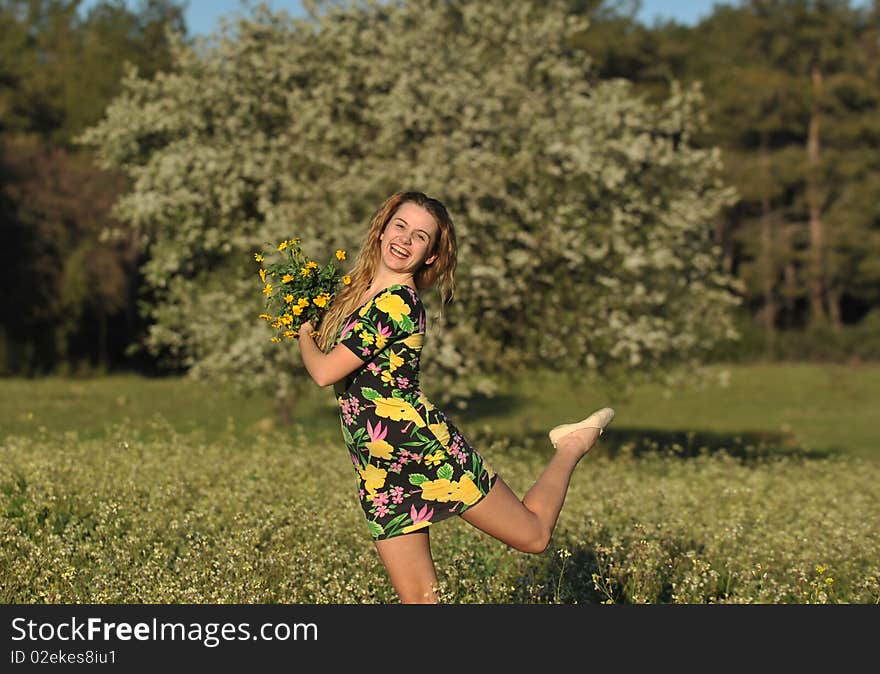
598	419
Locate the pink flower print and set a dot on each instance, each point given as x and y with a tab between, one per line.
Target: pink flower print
381	498
382	330
397	494
419	516
396	468
348	328
403	382
376	432
366	351
372	367
382	510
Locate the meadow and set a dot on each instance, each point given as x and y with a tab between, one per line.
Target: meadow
758	487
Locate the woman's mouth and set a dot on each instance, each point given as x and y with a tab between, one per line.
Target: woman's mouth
398	252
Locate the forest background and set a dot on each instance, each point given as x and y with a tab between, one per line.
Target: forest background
790	94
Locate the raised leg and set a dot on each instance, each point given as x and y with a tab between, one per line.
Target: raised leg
528	524
410	567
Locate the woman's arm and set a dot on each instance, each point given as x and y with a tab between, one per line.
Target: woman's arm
326	368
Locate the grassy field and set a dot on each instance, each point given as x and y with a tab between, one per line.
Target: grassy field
761	486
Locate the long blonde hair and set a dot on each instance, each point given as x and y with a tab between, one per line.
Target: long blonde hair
441	271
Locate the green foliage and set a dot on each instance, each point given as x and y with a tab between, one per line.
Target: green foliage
584	213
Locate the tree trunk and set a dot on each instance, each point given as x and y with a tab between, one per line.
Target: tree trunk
768	255
834	297
816	282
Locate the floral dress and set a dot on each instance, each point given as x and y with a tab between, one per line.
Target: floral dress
414	467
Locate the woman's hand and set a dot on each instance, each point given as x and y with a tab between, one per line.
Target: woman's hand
305	329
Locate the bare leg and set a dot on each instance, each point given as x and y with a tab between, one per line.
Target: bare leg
408	560
528	524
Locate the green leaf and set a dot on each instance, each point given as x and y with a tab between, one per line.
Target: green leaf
470	476
407	324
417	479
369	393
445	472
375	528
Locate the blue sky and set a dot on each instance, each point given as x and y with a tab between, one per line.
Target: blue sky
202	15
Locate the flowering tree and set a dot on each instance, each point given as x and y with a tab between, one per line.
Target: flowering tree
584	214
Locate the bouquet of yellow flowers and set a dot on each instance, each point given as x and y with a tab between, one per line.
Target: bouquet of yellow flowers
297	289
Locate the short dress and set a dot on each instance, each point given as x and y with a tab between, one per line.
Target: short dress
414	467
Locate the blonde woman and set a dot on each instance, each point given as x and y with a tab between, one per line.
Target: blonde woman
415	468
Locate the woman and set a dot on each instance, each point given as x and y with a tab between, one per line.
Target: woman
414	466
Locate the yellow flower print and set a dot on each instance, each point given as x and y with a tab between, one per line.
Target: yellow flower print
365	308
366	337
346	279
435	459
423	400
393	305
373	477
287	278
438	490
415	527
415	341
340	254
379	449
387	377
394	361
398	410
466	491
441	432
380	341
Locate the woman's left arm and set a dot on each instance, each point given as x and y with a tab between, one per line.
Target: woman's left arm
325	368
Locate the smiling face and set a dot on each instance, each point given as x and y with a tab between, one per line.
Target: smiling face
409	239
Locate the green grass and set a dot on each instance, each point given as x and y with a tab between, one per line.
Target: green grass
817	408
128	490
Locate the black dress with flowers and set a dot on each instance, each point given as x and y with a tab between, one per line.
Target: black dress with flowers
414	467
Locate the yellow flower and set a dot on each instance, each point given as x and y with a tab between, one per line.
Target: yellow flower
340	254
346	279
263	275
394	361
268	289
287	319
379	449
287	278
305	271
437	490
282	245
373	477
820	569
441	432
393	305
290	334
398	410
266	317
294	241
288	298
435	459
380	341
296	309
275	339
311	264
258	257
415	341
320	300
829	580
387	377
466	491
303	302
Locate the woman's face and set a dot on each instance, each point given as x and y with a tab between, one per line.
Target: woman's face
408	239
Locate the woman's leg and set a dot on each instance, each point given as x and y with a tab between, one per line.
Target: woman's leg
528	524
408	560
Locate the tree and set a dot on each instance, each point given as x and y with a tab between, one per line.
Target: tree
584	213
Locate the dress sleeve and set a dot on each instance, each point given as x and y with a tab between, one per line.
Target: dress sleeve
393	315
